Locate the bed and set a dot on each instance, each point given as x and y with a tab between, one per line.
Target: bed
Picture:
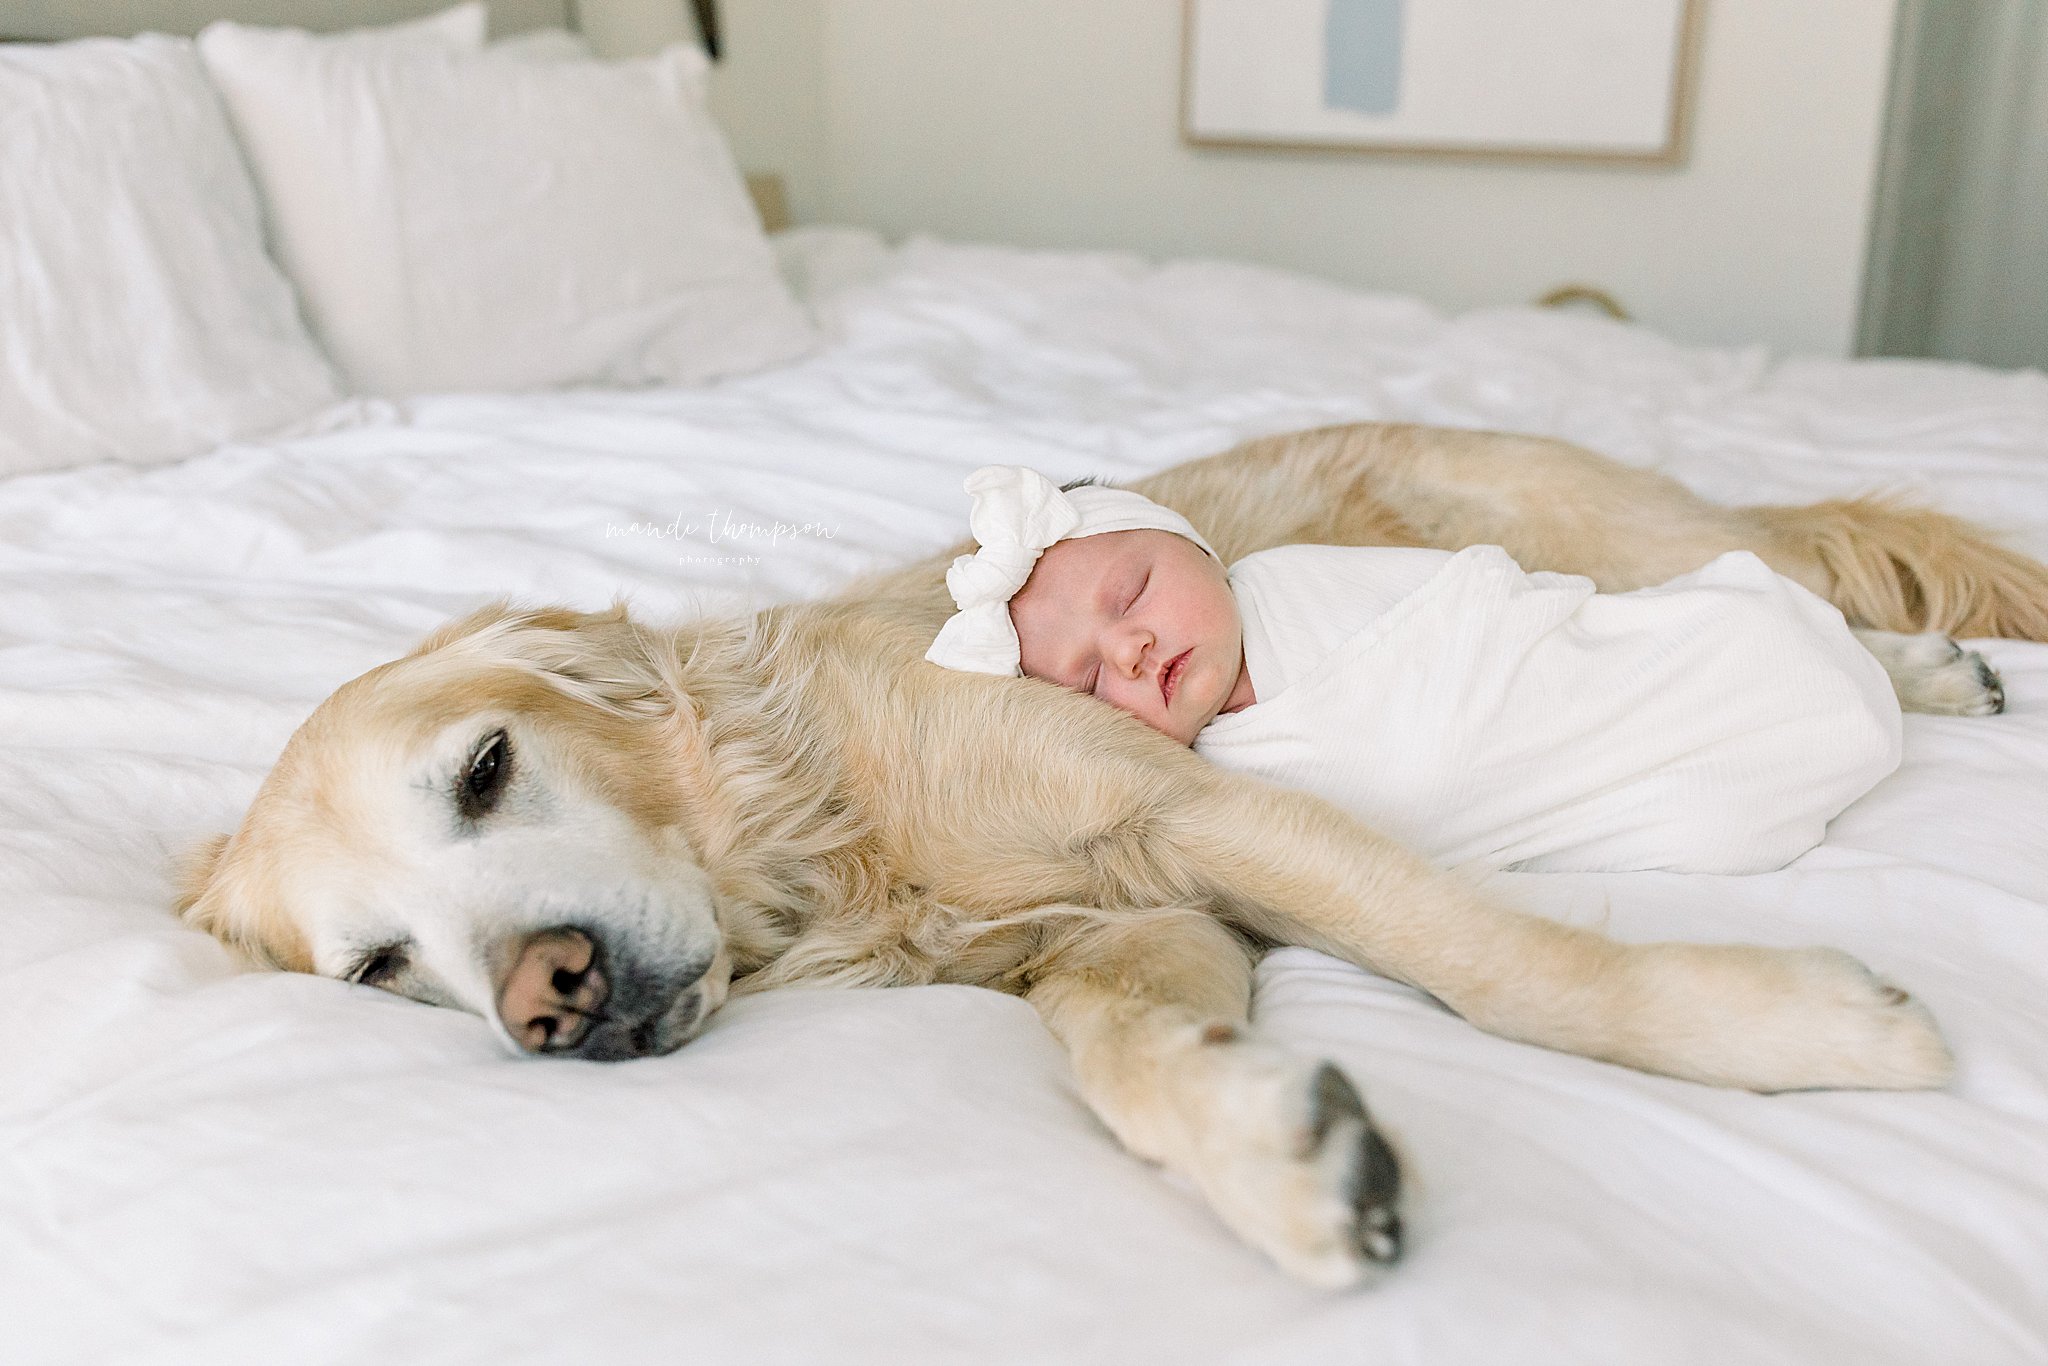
204	1163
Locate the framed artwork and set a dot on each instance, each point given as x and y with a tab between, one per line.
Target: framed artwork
1600	80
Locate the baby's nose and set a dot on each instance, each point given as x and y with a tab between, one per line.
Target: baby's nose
1128	652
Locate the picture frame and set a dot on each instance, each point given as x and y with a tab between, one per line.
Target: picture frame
1593	81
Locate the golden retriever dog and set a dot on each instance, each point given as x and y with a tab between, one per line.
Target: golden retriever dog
591	832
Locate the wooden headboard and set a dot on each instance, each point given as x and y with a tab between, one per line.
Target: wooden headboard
49	19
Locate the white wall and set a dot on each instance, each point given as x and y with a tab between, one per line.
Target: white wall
1055	123
632	28
769	93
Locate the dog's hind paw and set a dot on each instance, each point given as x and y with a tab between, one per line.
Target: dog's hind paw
1867	1033
1932	674
1789	1020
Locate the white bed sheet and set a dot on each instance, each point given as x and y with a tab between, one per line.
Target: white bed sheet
199	1164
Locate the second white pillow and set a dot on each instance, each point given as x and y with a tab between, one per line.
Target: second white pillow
479	220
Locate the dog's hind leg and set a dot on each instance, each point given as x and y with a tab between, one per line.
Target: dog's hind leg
1932	674
1085	806
1152	1009
1288	867
1557	506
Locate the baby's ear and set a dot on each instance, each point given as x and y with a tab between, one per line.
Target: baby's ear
225	897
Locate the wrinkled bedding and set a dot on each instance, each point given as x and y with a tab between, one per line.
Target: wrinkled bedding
199	1163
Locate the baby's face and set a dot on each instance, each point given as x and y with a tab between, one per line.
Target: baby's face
1143	620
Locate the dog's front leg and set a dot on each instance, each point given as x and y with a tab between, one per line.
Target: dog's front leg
1152	1009
1295	869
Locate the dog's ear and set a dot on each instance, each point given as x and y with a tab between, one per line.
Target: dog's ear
194	871
603	658
491	616
215	896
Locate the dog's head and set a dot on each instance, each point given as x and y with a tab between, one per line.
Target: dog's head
493	823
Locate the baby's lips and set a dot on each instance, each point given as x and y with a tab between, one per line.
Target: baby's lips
1166	671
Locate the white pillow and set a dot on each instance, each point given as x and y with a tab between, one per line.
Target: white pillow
546	45
140	319
481	220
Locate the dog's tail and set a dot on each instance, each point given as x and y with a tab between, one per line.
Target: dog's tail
1902	568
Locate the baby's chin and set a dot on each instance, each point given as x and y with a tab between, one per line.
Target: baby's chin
1184	722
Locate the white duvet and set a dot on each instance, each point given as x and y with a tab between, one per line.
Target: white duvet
198	1164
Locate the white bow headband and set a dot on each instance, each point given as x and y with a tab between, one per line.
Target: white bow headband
1018	512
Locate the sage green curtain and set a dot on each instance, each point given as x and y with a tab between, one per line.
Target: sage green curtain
1958	265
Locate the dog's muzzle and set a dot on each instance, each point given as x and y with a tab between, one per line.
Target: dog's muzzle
565	994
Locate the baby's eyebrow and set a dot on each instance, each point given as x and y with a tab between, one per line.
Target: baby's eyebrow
1124	576
1104	592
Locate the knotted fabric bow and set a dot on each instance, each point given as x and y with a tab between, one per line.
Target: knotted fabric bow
1018	512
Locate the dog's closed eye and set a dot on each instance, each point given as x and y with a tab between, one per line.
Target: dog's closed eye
483	782
378	966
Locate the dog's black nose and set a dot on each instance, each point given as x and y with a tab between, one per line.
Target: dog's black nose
650	1014
555	992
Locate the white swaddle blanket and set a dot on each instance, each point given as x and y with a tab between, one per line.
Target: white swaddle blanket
1485	715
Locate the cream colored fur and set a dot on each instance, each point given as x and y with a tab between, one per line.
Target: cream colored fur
800	798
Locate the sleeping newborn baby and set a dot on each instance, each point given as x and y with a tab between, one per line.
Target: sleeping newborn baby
1477	713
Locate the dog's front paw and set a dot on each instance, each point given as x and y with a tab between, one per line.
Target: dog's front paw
1289	1157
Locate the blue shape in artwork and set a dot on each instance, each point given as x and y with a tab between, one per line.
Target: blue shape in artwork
1362	55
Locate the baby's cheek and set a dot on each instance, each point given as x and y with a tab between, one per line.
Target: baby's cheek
1140	701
